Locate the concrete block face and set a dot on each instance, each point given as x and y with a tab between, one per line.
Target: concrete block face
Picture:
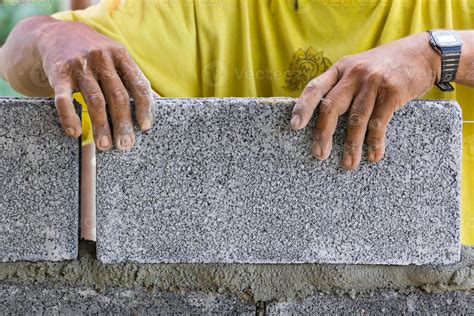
59	299
227	180
388	302
39	180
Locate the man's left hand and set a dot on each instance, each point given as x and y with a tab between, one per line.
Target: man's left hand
371	86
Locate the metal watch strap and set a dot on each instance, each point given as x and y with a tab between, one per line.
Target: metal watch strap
449	67
450	58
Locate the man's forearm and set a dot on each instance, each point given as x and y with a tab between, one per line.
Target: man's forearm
2	71
20	61
465	74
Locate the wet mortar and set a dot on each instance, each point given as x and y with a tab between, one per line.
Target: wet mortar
249	282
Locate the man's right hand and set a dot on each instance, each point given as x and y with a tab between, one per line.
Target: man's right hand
74	57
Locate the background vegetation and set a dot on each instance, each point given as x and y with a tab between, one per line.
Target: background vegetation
13	11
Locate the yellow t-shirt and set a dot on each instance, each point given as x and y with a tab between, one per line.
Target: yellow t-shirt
203	48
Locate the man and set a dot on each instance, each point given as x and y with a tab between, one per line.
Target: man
121	49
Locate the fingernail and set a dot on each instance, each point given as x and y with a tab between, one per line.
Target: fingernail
125	142
347	160
295	121
104	142
146	124
317	150
371	156
71	131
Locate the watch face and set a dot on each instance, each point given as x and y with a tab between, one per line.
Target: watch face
446	38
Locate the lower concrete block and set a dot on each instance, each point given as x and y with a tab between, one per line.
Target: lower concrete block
380	302
39	181
227	180
60	299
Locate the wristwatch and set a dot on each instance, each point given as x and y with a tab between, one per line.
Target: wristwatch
448	44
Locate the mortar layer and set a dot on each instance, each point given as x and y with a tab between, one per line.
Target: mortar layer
252	282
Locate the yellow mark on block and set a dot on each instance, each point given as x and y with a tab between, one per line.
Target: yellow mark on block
87	136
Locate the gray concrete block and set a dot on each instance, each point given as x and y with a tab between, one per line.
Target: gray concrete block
39	181
60	299
227	180
380	302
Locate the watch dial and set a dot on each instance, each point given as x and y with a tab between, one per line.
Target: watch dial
447	39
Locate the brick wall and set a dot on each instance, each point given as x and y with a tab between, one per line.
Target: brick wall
226	181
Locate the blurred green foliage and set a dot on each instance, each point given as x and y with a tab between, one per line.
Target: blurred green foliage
13	11
6	90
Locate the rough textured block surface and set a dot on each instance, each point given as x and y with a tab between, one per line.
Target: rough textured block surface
227	180
51	299
383	302
39	181
60	299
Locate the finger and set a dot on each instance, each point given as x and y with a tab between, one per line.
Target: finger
118	103
70	121
311	96
359	115
382	114
140	88
95	100
334	105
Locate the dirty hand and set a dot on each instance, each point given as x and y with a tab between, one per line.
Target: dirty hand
77	58
371	86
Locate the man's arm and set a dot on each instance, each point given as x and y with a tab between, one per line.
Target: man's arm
46	57
371	86
2	71
2	75
20	61
465	74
